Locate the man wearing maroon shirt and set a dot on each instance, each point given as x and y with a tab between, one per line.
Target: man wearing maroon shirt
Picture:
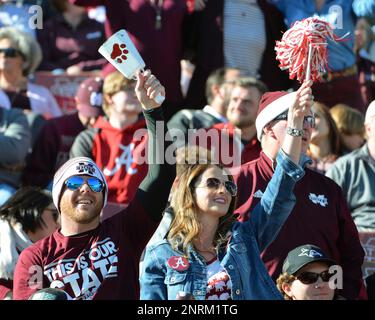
320	216
92	260
243	145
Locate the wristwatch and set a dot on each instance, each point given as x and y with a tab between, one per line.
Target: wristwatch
294	132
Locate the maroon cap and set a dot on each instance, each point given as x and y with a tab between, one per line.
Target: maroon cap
90	97
271	105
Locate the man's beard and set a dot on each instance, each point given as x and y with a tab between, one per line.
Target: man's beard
242	123
85	217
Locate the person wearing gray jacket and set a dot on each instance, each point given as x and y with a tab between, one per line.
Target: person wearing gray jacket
15	141
355	173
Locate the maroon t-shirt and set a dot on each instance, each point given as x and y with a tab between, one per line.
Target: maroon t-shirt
5	287
320	217
100	264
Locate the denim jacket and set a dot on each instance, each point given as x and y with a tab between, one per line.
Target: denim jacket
241	256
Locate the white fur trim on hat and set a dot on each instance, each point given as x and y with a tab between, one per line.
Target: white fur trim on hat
76	166
272	110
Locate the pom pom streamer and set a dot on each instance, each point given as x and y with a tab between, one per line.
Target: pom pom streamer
292	51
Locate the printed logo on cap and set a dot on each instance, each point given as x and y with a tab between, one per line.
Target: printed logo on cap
85	168
178	263
96	99
310	253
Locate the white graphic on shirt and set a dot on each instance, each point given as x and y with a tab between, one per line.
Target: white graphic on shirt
126	158
219	285
81	277
318	199
309	253
258	194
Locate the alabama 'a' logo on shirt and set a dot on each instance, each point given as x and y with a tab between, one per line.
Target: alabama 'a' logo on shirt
125	159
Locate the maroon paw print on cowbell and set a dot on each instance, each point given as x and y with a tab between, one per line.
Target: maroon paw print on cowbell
119	52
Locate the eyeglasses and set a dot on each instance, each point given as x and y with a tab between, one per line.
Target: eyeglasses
75	182
10	52
214	183
312	277
309	120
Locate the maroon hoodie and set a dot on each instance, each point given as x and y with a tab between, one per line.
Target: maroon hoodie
118	154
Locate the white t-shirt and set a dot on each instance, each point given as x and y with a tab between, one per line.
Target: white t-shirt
219	285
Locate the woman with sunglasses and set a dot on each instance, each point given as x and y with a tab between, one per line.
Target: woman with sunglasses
326	144
307	275
206	254
20	55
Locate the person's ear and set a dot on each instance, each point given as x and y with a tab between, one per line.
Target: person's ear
286	287
215	90
108	99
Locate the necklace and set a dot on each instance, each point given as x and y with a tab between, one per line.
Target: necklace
158	7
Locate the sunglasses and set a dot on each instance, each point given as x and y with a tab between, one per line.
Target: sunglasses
75	182
214	184
309	120
10	52
312	277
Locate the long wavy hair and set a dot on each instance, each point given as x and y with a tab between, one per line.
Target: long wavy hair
185	226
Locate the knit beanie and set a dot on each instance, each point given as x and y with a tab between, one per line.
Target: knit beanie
76	166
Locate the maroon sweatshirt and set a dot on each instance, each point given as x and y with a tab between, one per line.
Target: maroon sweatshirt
320	217
119	153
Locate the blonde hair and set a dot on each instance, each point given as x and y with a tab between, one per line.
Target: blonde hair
284	278
27	45
113	83
185	226
348	120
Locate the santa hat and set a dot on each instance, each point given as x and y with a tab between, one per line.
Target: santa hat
272	105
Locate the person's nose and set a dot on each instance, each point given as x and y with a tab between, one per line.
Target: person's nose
84	188
222	188
319	283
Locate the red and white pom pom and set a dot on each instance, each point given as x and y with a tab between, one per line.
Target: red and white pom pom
292	51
